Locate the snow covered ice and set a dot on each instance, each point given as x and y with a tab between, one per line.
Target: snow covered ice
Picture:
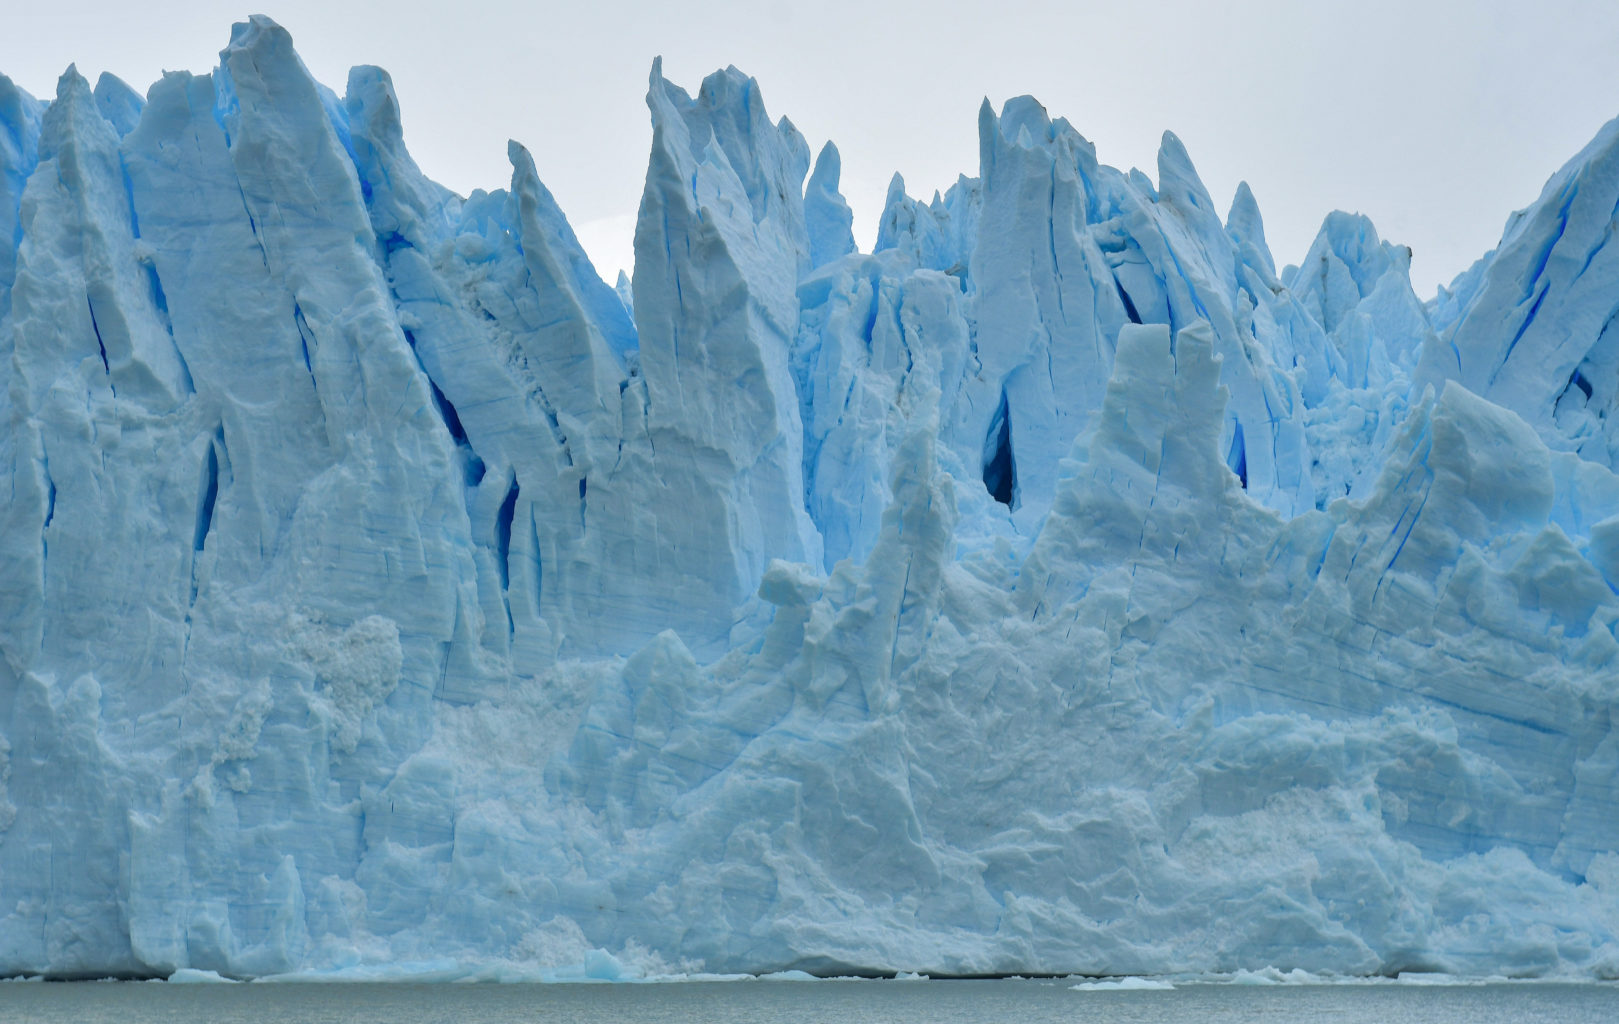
1058	588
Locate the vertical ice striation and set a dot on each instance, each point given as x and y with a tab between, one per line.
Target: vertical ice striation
1530	327
19	154
1055	588
719	245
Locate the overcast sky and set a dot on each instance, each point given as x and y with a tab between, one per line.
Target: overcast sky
1436	118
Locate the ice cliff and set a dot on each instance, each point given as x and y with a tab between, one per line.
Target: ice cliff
1057	588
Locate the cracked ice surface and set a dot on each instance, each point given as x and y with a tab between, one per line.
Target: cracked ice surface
1057	588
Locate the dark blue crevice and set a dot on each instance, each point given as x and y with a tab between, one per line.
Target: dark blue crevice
539	563
870	326
210	495
1129	307
207	504
1543	257
305	335
50	513
160	300
452	420
473	468
159	297
100	345
129	197
1523	329
503	534
1000	470
1579	381
1237	458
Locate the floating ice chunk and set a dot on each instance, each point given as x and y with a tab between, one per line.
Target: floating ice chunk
193	976
1130	984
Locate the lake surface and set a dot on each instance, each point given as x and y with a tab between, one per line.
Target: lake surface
825	1002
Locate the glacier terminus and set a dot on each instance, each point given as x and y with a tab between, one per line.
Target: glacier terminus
1058	588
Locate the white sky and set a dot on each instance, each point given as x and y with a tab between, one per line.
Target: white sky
1436	118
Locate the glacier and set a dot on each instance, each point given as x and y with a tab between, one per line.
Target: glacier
1057	588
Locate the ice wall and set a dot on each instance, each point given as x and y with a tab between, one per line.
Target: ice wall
1055	588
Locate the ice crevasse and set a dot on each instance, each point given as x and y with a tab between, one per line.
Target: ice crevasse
1057	588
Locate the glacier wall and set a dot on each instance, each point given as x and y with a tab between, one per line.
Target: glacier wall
1057	588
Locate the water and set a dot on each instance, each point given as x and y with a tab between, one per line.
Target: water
824	1002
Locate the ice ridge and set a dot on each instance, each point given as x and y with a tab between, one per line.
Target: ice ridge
1056	588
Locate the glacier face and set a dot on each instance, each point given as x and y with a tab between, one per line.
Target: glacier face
1057	588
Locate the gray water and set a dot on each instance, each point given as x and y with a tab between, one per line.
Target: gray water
824	1002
